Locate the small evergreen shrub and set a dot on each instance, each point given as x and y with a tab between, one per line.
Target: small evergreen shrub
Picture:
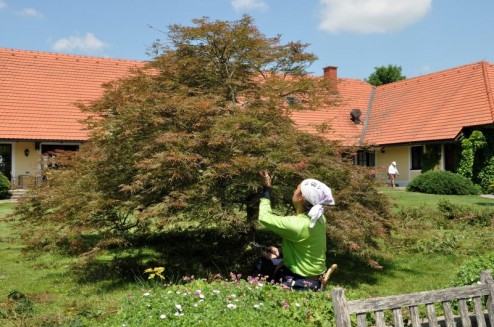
442	182
4	186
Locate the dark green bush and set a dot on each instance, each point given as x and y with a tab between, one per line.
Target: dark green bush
442	182
4	186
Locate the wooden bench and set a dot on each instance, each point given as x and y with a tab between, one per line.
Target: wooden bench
395	306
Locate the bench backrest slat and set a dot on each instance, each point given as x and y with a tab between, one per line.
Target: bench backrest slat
448	314
465	317
343	308
431	314
361	320
380	319
397	317
414	313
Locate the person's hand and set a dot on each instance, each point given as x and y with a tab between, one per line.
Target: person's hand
272	252
266	179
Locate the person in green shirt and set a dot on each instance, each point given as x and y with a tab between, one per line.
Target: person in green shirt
303	249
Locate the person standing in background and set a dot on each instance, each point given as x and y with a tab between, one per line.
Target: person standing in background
392	172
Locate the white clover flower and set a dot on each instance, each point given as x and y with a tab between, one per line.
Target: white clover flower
178	314
163	316
146	294
201	296
169	292
297	304
179	307
231	306
216	291
257	306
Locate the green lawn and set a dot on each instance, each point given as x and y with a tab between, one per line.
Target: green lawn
402	198
48	278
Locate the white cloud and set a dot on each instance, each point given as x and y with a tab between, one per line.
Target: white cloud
240	5
371	16
31	12
3	5
88	43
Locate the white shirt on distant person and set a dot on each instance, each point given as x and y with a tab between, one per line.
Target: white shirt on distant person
392	170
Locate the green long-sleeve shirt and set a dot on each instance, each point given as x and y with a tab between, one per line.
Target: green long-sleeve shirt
304	248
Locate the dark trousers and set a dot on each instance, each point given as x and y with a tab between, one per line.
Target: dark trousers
283	275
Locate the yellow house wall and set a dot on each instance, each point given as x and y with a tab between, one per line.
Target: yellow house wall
22	164
400	154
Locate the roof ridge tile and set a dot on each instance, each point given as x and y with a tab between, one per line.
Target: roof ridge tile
45	54
490	96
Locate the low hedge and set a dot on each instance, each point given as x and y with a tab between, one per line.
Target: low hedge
4	186
443	182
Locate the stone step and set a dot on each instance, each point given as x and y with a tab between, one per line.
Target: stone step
17	194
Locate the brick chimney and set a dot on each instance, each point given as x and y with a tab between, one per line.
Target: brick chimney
331	74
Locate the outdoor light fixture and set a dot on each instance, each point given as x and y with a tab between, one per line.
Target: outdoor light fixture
26	152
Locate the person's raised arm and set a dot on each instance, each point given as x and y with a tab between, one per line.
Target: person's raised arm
266	183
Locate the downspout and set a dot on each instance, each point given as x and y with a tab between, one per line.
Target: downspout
367	115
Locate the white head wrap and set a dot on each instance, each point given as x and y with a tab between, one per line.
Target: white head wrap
318	194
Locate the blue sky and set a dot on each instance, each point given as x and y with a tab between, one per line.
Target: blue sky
421	36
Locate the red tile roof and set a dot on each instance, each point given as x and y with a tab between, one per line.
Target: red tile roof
38	91
432	107
355	94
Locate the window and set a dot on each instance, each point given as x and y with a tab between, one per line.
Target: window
6	160
417	157
292	100
366	158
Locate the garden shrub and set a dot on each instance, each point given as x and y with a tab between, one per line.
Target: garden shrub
4	186
465	213
486	176
442	182
469	272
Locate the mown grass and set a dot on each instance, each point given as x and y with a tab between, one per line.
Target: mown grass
403	199
423	254
49	280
